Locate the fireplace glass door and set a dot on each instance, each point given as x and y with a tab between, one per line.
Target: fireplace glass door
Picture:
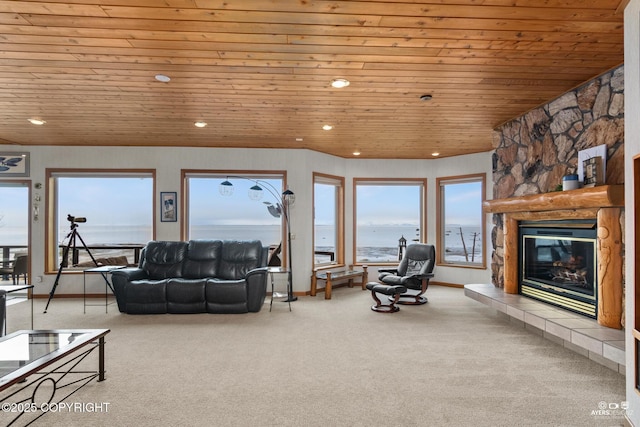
559	267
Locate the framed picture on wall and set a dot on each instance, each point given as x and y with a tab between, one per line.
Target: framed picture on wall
168	206
14	164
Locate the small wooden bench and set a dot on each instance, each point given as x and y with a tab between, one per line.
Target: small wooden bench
331	276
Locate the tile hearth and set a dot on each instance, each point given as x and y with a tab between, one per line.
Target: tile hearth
573	331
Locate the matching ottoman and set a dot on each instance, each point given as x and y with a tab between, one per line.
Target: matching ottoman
394	293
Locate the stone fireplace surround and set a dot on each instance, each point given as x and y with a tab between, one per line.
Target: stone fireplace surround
603	203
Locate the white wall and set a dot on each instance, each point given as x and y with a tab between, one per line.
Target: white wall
299	164
631	150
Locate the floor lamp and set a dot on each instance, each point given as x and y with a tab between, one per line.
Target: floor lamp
283	202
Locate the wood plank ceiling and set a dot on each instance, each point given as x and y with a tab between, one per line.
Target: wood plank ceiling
258	72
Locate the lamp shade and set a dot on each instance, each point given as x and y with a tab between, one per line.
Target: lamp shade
225	188
289	197
255	192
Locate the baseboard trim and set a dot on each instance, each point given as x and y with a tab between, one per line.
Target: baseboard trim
449	285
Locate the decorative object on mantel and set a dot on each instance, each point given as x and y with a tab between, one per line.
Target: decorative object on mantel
570	182
593	172
585	160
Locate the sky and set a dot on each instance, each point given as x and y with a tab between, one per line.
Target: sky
463	203
377	205
209	206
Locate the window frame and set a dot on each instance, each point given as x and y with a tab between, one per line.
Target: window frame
422	182
440	222
339	183
51	206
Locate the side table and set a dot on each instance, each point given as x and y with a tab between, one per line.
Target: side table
104	271
11	299
280	270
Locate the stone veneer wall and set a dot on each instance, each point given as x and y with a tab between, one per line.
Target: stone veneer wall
533	152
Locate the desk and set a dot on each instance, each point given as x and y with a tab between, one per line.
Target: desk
12	289
280	270
61	352
103	270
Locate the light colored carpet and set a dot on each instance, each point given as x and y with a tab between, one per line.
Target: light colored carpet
451	362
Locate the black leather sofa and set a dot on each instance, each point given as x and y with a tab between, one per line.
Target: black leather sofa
198	276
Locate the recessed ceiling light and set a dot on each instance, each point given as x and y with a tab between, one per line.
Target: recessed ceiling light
327	127
37	122
162	78
340	83
299	139
426	97
356	153
436	154
200	124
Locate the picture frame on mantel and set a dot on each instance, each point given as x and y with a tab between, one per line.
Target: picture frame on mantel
168	206
586	156
593	172
14	164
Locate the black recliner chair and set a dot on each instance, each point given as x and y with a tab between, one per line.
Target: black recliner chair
413	272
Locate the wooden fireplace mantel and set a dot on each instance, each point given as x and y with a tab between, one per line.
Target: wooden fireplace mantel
582	198
603	203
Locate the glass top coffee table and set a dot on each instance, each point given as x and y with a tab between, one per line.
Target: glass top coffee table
40	368
23	353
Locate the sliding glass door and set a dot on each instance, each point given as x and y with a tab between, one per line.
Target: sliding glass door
14	222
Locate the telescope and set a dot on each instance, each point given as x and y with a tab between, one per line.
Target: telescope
73	234
76	218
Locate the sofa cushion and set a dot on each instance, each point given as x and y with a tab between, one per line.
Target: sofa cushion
164	259
203	259
146	297
226	296
238	258
186	296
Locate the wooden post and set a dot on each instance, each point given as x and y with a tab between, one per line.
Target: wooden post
365	277
510	254
314	283
327	286
609	268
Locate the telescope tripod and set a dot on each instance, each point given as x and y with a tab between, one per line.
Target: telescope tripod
72	236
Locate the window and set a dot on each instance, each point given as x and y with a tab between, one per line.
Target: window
14	219
238	216
386	212
328	219
117	207
460	221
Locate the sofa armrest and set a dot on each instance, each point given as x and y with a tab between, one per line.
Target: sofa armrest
256	288
129	274
120	279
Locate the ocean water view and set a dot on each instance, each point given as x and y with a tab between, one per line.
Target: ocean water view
375	243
